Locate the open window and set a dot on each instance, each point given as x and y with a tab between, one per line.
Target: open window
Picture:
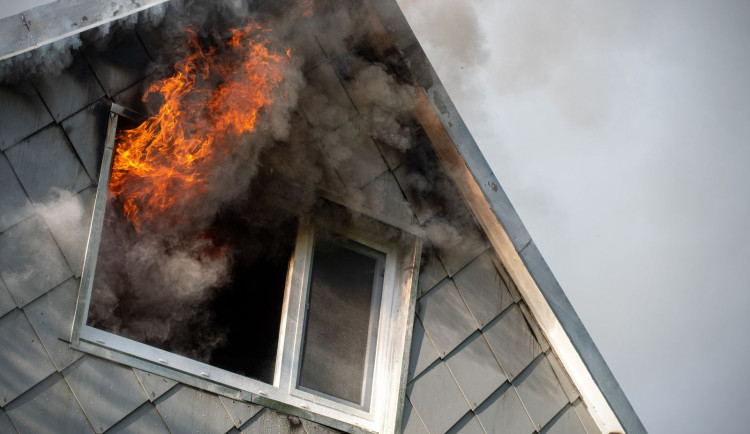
326	336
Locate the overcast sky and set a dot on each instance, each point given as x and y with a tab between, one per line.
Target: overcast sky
620	131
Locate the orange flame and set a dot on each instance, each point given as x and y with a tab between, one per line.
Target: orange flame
166	158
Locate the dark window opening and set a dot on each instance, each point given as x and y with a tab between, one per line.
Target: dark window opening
237	327
232	324
249	307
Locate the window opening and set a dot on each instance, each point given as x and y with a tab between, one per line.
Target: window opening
236	327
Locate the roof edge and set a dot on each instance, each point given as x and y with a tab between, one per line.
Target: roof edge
54	21
514	244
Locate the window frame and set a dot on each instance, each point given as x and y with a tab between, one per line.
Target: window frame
396	315
304	293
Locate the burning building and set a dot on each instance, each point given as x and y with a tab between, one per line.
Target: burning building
265	217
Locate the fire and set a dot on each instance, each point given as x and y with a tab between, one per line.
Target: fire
214	95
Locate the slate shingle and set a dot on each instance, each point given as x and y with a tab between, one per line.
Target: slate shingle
49	408
47	166
31	263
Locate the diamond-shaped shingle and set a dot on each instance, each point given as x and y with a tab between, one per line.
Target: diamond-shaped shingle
240	412
512	341
431	270
273	422
566	422
121	64
477	372
51	315
70	91
154	385
47	166
410	422
145	419
6	300
445	317
23	358
437	399
190	411
87	130
21	113
31	263
583	414
484	290
5	424
423	352
541	392
69	220
49	408
469	424
504	413
14	204
107	391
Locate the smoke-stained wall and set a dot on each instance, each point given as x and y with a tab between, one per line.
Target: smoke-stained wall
478	362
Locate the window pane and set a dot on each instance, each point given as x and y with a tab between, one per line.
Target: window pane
341	327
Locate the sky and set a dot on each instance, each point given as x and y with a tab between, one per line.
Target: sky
620	131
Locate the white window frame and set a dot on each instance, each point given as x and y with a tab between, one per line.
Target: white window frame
396	312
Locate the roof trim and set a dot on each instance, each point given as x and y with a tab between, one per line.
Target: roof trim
509	238
52	22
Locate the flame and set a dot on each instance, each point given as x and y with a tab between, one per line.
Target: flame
167	157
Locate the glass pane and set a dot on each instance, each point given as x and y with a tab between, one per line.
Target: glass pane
341	327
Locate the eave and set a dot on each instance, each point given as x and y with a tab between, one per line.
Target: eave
60	19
